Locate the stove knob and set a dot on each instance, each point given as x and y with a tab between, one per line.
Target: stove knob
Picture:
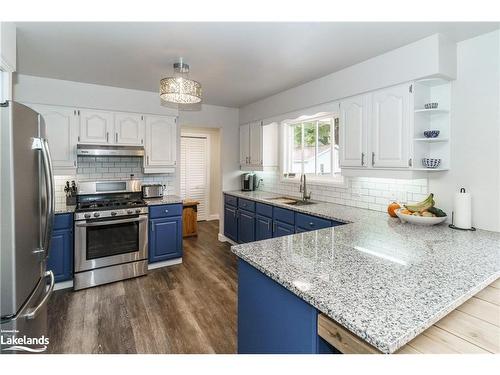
87	216
129	212
97	214
137	210
113	213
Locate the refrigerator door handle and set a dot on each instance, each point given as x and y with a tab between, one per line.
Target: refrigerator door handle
42	145
32	312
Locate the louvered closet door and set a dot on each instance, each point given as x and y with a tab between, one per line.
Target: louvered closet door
194	172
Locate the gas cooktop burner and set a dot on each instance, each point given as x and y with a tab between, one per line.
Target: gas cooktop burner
109	204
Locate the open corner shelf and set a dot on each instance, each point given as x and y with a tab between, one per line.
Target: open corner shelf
431	110
430	169
431	140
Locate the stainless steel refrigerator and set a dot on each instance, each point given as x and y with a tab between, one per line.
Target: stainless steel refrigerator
26	219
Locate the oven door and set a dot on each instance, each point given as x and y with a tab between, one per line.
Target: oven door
106	242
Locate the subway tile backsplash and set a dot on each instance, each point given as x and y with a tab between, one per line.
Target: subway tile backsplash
364	192
111	168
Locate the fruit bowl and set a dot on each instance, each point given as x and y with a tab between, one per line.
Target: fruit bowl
419	220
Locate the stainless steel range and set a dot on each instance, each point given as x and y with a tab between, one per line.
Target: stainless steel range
111	233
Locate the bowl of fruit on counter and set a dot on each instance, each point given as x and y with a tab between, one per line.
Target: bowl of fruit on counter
421	213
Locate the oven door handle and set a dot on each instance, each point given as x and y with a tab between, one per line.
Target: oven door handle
118	221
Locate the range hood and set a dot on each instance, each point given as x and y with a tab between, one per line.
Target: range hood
106	150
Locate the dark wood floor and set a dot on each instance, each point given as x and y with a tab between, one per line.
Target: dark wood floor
186	308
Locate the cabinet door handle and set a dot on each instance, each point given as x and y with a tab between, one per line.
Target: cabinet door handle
107	136
78	138
268	225
116	137
142	141
311	224
74	163
166	211
147	160
274	227
362	158
373	159
152	228
78	112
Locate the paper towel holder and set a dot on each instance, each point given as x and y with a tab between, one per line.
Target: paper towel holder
472	229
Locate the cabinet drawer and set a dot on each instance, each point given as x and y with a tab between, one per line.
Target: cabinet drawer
284	215
63	221
229	199
165	210
311	222
246	204
264	209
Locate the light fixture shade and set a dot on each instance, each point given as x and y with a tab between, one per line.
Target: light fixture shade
179	89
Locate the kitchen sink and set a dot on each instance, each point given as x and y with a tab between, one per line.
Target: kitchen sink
290	201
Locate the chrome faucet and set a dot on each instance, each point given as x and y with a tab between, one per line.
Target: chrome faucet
303	188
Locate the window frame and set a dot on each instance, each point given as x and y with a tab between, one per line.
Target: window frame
286	144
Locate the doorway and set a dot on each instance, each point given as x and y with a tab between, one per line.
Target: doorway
195	171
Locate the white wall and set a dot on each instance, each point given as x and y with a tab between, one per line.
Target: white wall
41	90
475	132
226	119
433	55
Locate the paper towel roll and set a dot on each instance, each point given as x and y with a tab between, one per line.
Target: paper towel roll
462	214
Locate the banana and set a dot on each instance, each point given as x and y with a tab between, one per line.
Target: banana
422	206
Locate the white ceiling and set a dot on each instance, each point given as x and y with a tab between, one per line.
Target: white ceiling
237	63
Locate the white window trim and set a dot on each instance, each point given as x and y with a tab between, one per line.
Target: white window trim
340	181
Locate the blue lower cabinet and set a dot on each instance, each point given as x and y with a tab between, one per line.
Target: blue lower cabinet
273	320
165	238
246	226
304	223
263	227
282	229
60	260
231	222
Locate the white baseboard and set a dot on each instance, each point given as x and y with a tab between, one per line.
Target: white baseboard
223	238
165	263
213	217
63	285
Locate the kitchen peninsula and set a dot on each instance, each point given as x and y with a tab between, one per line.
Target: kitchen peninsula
383	281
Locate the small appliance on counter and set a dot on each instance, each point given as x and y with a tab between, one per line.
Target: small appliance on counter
153	191
248	181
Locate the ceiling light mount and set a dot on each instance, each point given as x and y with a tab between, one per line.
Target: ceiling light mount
179	89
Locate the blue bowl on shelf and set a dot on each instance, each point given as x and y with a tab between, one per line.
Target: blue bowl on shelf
431	163
431	133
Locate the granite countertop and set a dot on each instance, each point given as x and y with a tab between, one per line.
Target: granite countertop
383	280
166	199
62	208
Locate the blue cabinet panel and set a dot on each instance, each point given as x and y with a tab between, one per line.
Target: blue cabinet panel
165	238
264	209
307	222
229	199
231	222
271	319
246	226
165	210
282	229
263	227
60	260
284	215
247	205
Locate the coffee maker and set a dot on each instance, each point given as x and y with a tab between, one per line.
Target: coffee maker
248	181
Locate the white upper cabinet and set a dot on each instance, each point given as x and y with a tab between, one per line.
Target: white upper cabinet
353	131
96	127
129	129
244	145
258	146
8	46
255	156
390	125
61	126
160	144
